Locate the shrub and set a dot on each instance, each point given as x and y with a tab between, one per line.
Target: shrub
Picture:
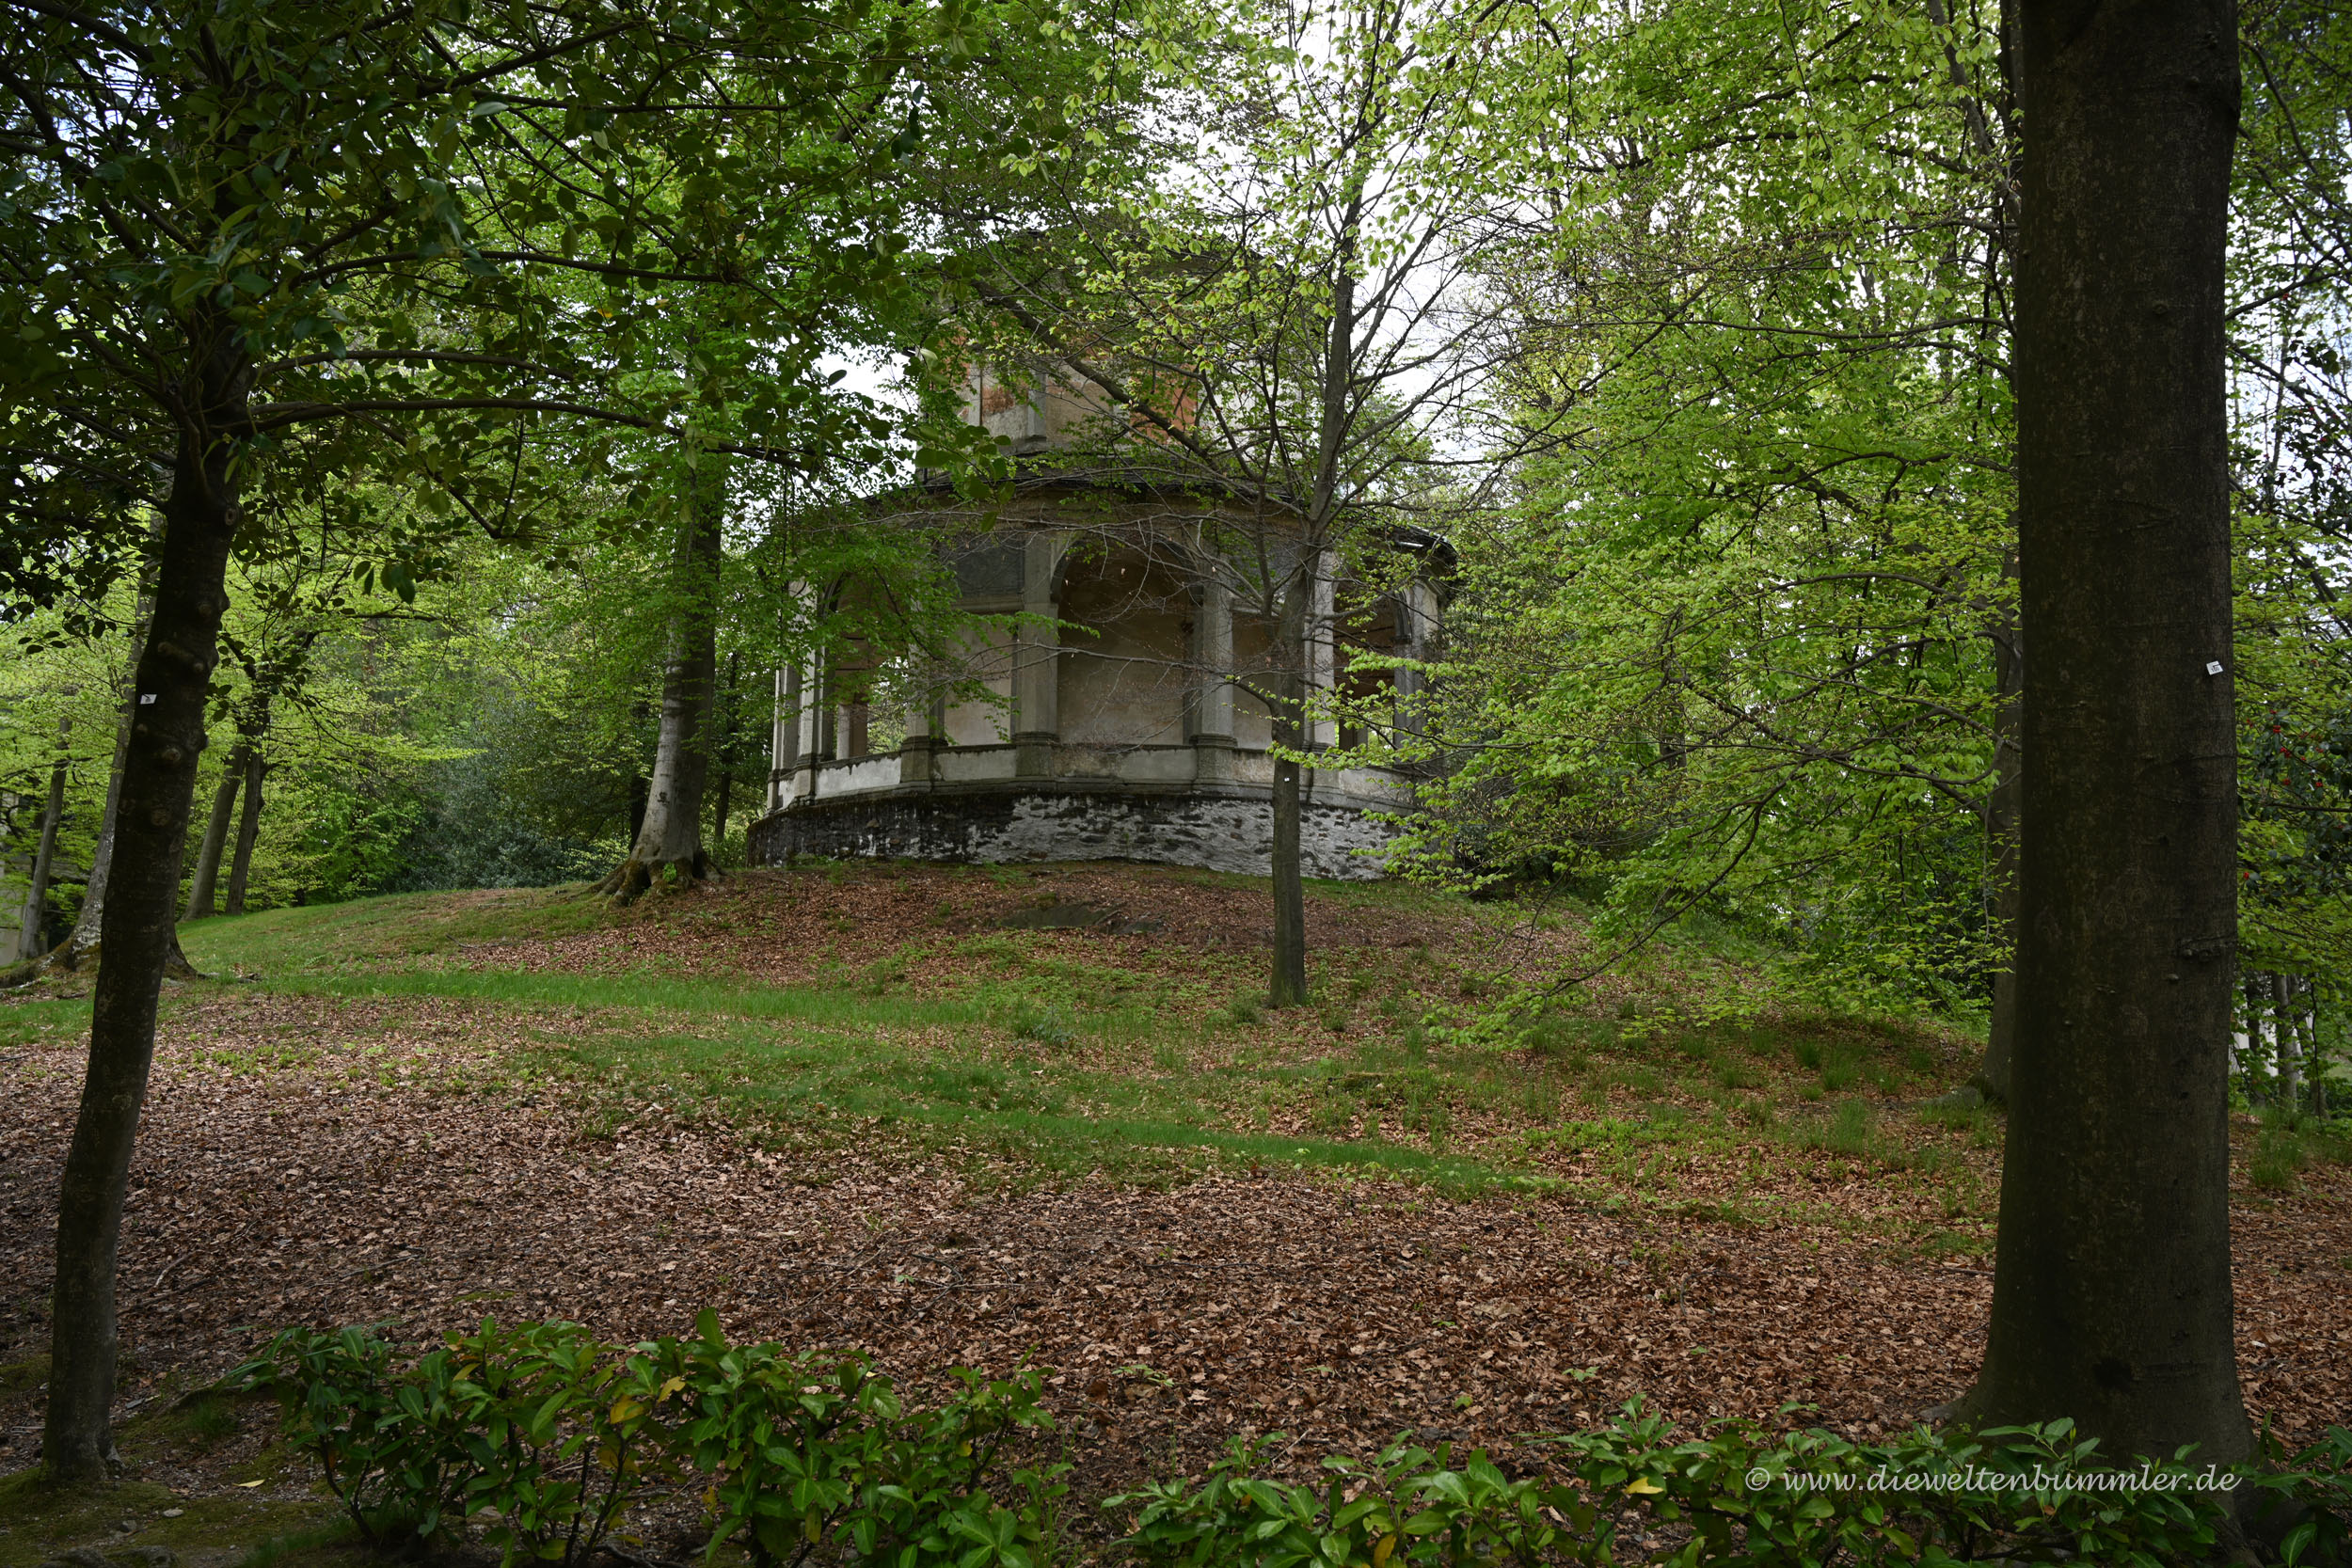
1736	1495
344	1407
545	1435
1408	1506
545	1425
1814	1497
535	1426
1048	1026
2316	1482
815	1447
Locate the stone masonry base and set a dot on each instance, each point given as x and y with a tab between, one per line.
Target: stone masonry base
1231	829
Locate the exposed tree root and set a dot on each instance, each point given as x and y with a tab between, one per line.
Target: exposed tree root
72	958
634	879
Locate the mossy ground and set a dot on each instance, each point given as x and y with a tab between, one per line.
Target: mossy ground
204	1479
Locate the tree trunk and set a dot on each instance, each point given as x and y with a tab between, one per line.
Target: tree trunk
670	837
1991	1077
215	835
200	516
2283	1015
82	941
2256	1059
1287	988
44	857
723	734
248	828
639	796
2314	1057
2111	1297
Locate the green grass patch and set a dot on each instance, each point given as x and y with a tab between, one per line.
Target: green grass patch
33	1023
649	992
1037	1054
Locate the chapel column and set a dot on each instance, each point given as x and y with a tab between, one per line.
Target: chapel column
926	729
1212	715
1037	661
1416	636
783	737
812	722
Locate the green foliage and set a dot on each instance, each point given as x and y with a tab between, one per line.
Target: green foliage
337	842
535	1428
1047	1025
2034	1494
816	1447
1742	1495
545	1423
1729	656
542	1436
1407	1506
2316	1481
344	1407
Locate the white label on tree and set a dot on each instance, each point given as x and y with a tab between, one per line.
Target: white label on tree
147	697
2213	667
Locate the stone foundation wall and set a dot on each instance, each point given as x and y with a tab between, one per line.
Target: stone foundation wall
1226	830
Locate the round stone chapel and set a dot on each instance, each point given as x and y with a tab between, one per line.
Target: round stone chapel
1106	705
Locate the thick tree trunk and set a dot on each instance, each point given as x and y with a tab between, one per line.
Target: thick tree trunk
1991	1077
640	794
44	858
2112	1295
248	829
207	871
201	517
670	837
1287	986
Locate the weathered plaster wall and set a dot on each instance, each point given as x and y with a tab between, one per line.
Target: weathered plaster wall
1253	726
989	653
1222	833
1123	680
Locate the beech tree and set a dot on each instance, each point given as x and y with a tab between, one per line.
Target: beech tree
444	226
669	837
1741	640
1280	319
2111	1297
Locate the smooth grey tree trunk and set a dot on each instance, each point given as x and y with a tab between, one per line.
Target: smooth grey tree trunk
207	871
158	784
44	857
2290	1079
2112	1298
248	829
669	838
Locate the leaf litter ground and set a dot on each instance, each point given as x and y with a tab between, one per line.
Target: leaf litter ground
330	1156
